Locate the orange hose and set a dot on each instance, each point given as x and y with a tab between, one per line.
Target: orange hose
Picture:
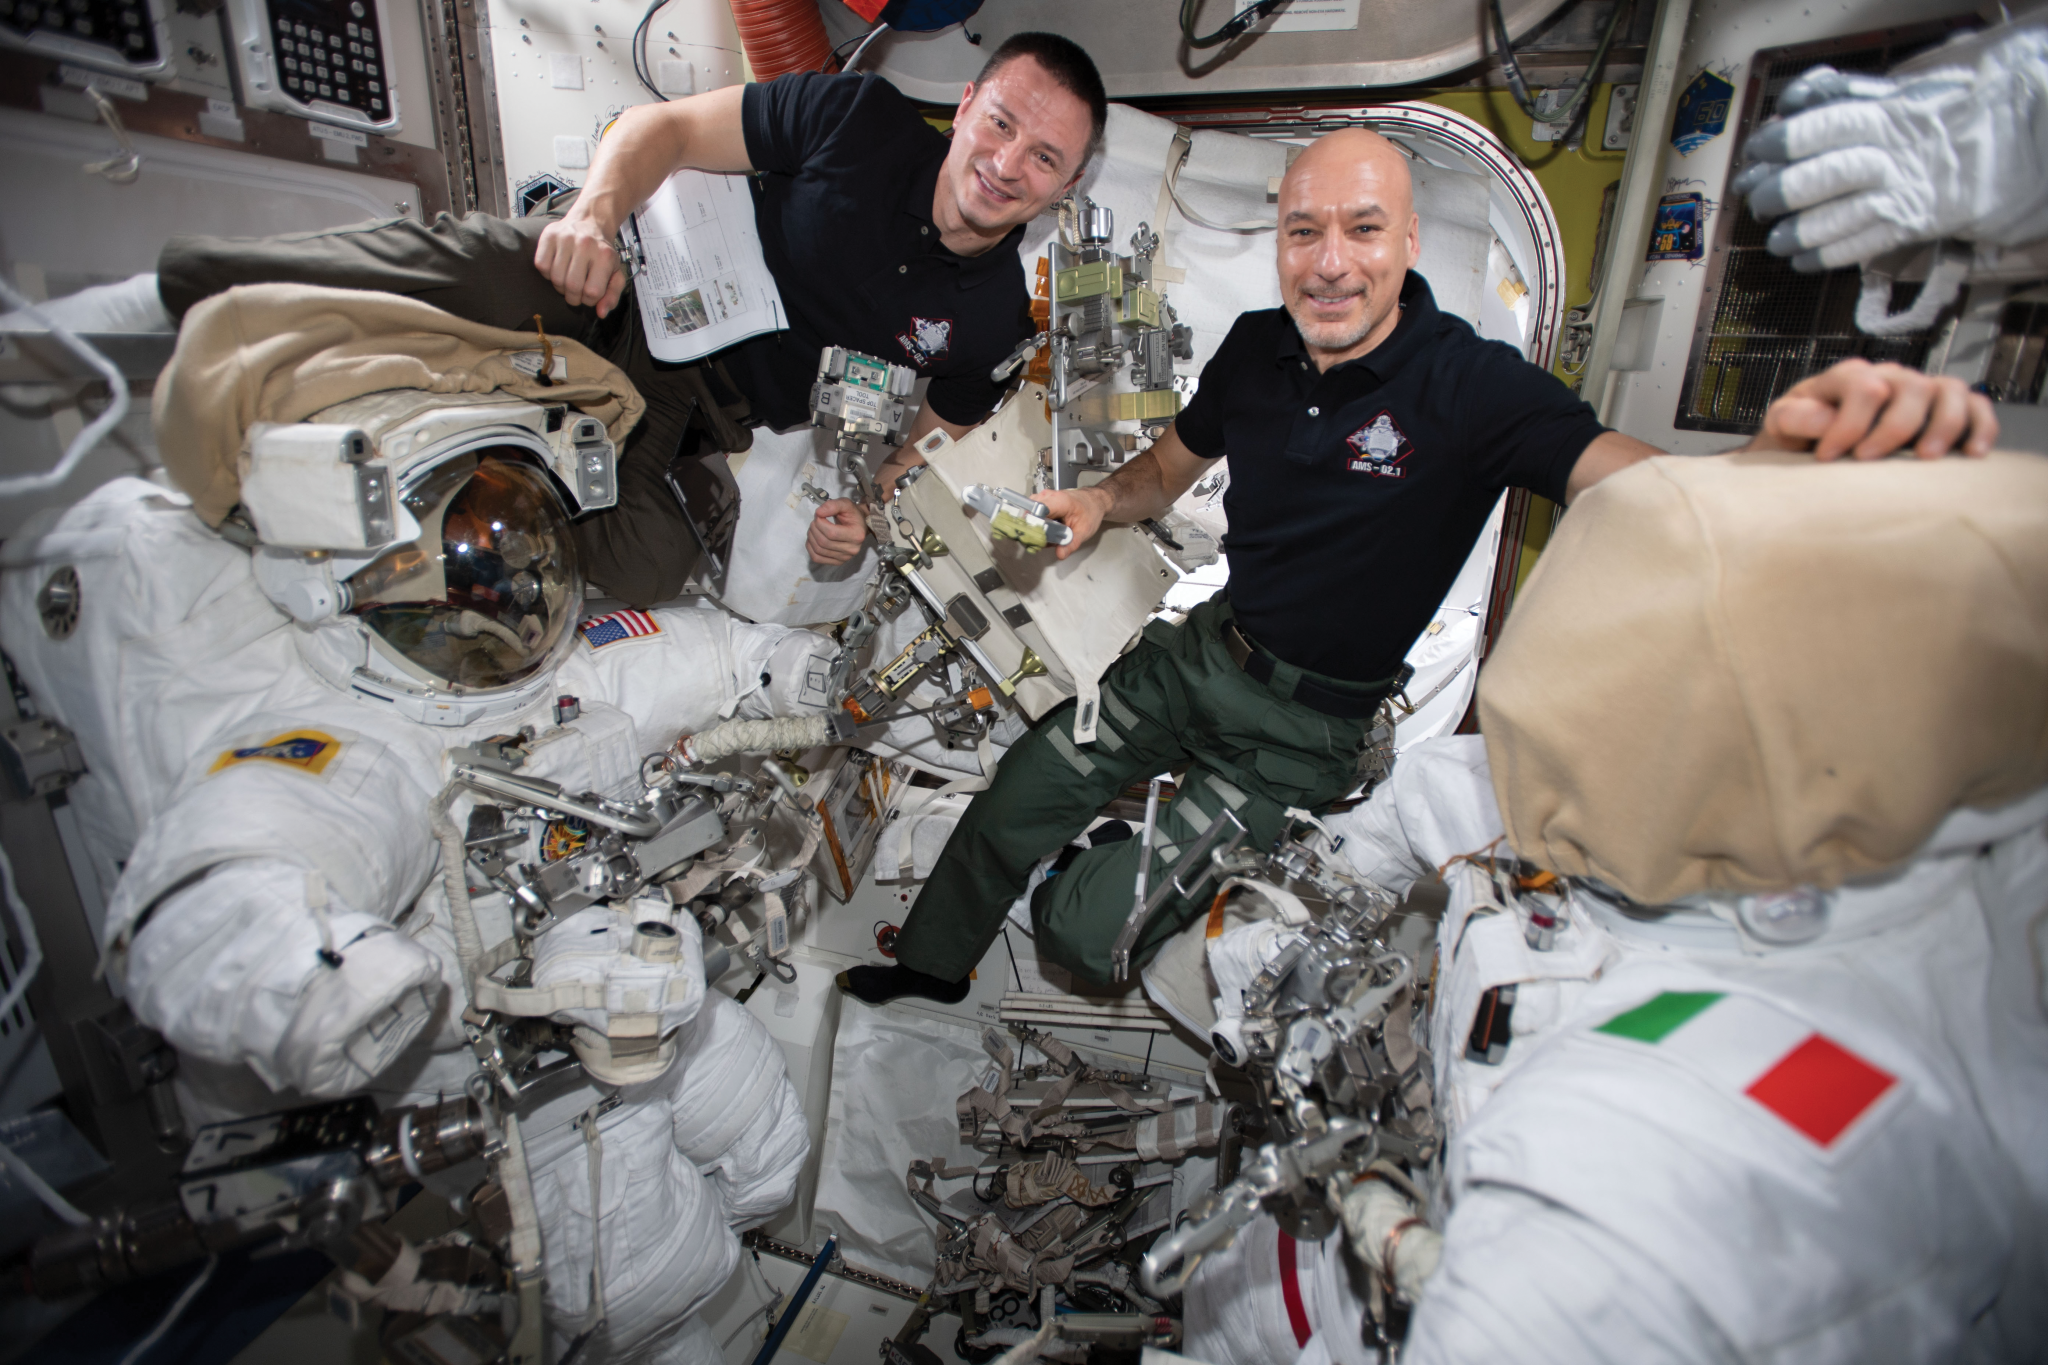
781	36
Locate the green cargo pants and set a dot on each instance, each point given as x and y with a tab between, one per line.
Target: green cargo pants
1177	698
480	267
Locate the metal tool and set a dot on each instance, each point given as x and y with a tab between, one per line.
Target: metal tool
1134	923
1344	1144
1012	516
315	1174
1196	866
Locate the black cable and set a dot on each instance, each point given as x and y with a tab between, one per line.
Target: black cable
1518	85
1231	27
1015	970
640	65
839	51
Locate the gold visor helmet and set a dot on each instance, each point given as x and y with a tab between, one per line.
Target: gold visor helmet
489	594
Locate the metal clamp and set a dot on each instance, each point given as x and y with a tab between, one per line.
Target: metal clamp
1344	1143
1196	866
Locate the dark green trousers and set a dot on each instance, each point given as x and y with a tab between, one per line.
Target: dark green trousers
1177	698
480	267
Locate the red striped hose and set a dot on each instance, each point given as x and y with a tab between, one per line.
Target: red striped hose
781	36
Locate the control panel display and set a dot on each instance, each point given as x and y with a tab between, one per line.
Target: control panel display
331	52
327	60
118	35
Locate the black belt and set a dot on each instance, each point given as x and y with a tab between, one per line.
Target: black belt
1361	705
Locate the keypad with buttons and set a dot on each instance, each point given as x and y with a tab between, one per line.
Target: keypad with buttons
122	26
329	50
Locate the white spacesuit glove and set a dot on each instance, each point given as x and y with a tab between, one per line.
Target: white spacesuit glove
1386	1233
1864	164
242	968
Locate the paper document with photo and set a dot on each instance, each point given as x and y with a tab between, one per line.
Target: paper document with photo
702	283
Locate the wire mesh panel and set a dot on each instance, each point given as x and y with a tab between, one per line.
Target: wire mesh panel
1764	326
2019	358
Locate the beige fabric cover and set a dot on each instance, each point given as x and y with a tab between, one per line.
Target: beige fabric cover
1755	671
282	352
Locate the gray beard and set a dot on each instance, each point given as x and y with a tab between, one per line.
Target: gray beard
1330	336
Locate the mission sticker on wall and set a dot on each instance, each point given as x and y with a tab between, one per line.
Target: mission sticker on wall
1702	112
1679	233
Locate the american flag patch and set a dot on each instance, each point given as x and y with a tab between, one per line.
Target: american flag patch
600	631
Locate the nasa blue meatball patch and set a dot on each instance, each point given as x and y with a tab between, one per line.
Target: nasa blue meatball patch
309	751
1379	447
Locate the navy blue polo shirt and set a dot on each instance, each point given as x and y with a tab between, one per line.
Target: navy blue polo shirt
844	208
1356	494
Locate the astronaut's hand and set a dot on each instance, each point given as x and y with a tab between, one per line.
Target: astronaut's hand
1865	164
352	1021
837	533
579	258
1869	411
1081	510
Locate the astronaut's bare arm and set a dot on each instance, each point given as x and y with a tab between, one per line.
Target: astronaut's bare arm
1144	487
906	456
648	144
1610	453
1869	411
838	530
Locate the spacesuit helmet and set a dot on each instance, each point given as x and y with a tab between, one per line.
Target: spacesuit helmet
422	543
487	595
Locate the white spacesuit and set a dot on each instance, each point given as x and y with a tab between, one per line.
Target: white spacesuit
1791	1103
268	801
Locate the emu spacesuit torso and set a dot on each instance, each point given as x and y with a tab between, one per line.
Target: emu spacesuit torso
262	818
1785	1098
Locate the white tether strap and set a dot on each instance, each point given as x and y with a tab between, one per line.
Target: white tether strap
1169	189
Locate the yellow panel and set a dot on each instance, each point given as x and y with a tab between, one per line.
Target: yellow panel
1138	308
1153	405
1085	281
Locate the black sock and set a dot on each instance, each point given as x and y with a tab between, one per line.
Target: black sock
880	985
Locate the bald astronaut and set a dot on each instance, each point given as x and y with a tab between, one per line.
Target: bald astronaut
1369	435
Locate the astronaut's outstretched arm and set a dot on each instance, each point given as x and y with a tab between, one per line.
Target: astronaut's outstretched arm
695	668
245	965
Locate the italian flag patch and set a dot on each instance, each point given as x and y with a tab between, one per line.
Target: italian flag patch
1813	1083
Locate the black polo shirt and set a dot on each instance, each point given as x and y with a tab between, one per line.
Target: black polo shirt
844	209
1356	495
